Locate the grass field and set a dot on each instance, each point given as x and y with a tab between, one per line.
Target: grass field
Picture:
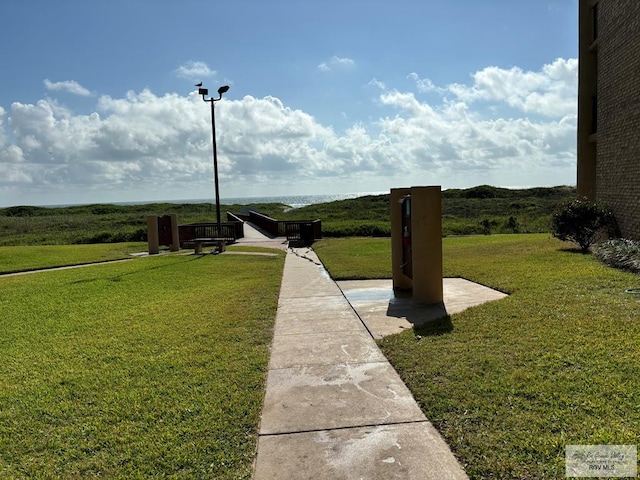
20	258
152	368
509	384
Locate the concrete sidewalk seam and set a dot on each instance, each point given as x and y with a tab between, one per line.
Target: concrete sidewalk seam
337	429
315	296
351	364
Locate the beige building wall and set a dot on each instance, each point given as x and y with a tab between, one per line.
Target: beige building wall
618	145
609	55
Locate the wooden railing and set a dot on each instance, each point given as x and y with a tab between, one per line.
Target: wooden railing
267	224
301	231
230	230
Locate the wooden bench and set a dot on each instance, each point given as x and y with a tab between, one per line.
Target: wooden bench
219	243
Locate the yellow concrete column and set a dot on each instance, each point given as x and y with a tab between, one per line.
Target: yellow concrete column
426	243
175	234
153	239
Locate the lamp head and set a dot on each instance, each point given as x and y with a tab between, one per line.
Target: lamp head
223	89
203	91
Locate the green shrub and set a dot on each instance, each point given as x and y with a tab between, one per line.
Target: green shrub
139	235
620	253
455	227
486	225
481	191
23	211
513	225
582	222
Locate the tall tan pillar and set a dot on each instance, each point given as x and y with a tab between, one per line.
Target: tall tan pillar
153	239
175	234
426	243
425	254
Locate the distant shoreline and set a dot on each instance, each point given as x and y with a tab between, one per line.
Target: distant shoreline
294	201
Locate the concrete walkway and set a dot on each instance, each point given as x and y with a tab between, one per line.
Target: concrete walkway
255	237
334	407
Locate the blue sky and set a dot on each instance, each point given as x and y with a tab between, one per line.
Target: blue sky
98	104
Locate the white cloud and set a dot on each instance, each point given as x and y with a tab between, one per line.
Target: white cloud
452	139
424	84
336	62
377	83
147	146
194	70
70	86
551	91
3	136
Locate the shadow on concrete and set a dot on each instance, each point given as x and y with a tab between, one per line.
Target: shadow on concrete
402	305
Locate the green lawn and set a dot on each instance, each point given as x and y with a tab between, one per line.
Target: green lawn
509	384
19	259
355	258
150	368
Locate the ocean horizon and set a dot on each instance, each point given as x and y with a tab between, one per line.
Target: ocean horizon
294	201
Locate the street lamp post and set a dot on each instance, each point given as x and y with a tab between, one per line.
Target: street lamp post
204	92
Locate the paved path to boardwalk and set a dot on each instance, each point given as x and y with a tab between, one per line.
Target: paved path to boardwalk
334	407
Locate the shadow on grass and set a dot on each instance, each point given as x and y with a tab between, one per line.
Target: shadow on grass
432	328
119	278
574	249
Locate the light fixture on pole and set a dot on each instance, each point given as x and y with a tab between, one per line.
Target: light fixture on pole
204	92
